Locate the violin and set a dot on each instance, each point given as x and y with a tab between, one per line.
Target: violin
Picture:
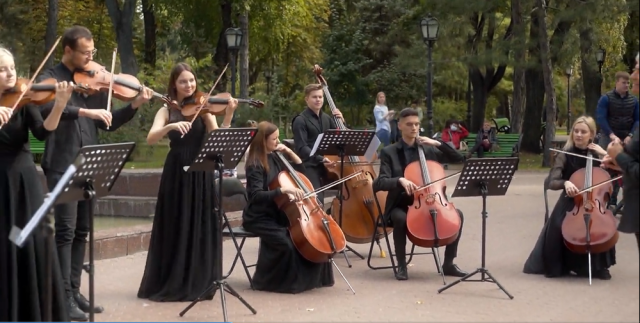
216	104
96	78
358	215
432	221
316	235
39	93
590	227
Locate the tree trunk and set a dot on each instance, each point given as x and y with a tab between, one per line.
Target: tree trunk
221	55
244	56
122	20
547	71
591	77
52	30
519	98
150	28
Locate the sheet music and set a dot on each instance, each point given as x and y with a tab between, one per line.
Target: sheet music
372	149
315	146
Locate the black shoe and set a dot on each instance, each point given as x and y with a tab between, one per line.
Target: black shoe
453	270
75	314
402	273
83	304
602	274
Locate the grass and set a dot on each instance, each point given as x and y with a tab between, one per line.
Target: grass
146	156
529	161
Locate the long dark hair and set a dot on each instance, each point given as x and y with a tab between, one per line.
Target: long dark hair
258	148
172	92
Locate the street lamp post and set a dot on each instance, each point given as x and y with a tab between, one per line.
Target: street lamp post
569	72
601	55
267	76
429	27
234	39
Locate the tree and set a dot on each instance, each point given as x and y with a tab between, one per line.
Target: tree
547	70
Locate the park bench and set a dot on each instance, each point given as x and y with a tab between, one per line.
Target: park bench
502	125
37	148
509	145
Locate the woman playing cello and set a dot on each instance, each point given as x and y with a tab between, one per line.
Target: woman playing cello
550	256
280	268
22	269
182	251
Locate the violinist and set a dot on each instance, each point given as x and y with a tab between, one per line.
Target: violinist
306	127
79	125
280	268
182	251
21	194
625	159
550	256
393	161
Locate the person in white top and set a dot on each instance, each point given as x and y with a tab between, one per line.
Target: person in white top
382	115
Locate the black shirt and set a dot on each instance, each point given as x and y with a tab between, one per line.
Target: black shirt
307	126
75	132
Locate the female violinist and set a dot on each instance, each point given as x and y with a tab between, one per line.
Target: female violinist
550	256
182	250
21	194
280	268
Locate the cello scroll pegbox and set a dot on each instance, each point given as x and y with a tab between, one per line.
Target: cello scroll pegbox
318	71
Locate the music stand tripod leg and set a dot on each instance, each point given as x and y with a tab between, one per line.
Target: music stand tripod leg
49	244
89	195
219	284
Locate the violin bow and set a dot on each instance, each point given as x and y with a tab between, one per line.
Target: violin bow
598	185
328	186
33	78
577	155
208	95
113	67
434	182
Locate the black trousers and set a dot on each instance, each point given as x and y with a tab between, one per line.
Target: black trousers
479	149
398	217
72	229
315	174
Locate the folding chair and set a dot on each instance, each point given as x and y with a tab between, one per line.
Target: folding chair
231	187
380	224
546	200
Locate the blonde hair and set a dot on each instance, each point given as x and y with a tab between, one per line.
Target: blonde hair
378	97
5	53
591	124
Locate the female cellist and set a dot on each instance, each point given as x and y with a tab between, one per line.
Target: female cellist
280	268
550	256
21	269
182	250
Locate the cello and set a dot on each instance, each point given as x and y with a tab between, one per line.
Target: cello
432	221
590	227
316	235
358	215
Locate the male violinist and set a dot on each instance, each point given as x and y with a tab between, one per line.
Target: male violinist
307	126
78	127
393	161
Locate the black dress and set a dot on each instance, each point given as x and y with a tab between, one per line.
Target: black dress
280	268
22	272
550	256
182	251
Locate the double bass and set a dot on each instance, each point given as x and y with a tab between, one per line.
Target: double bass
315	234
359	213
432	221
590	227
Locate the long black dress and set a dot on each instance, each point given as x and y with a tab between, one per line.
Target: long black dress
182	251
22	272
280	268
550	256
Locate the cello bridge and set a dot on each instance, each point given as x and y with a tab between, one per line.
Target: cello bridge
430	198
361	182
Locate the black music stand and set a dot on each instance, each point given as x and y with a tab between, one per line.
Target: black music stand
19	236
352	143
222	147
93	180
484	177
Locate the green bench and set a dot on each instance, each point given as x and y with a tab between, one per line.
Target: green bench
37	148
509	145
502	125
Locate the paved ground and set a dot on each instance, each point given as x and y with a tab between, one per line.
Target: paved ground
513	225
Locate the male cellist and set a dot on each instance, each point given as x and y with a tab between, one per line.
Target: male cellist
393	161
307	126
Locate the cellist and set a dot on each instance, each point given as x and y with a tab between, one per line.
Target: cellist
280	268
550	256
306	127
393	160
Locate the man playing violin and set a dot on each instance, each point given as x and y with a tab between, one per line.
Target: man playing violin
307	126
79	124
393	161
280	268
